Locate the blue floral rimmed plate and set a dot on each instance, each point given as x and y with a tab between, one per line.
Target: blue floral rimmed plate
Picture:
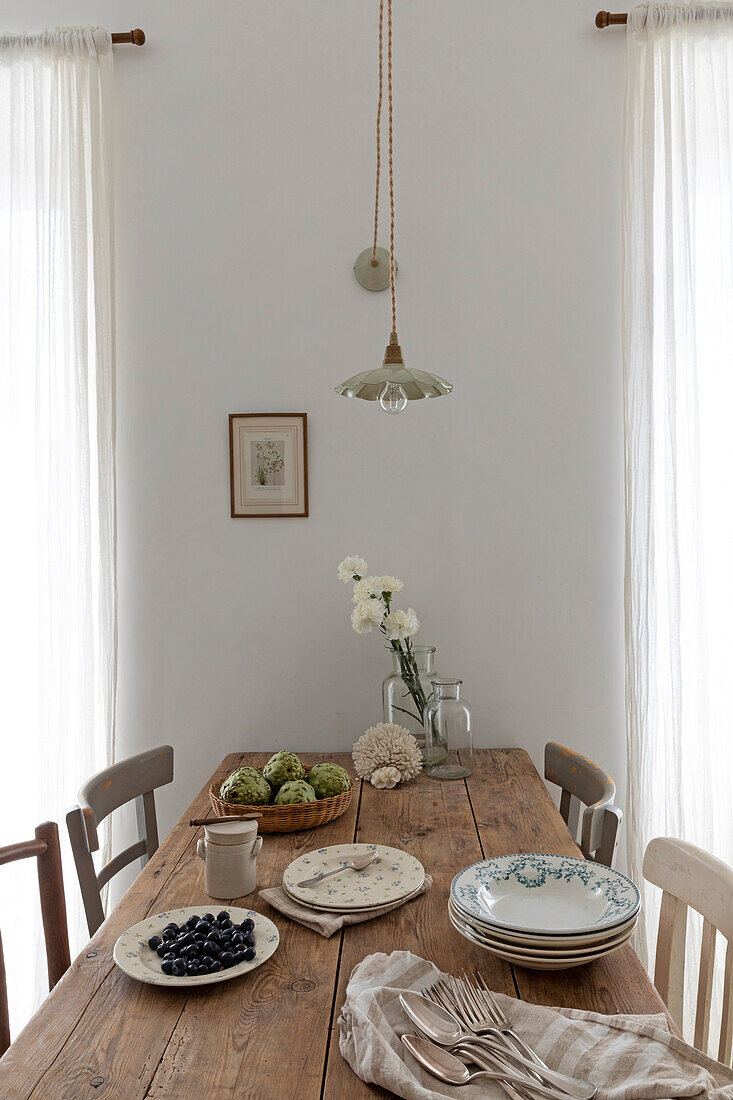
544	894
137	960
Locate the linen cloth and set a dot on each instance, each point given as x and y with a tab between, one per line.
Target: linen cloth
326	923
627	1057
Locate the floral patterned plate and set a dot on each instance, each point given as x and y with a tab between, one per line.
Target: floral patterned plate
362	908
135	958
391	877
562	895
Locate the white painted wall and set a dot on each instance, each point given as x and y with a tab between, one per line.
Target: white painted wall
244	191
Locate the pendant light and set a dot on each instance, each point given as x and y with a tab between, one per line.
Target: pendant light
392	385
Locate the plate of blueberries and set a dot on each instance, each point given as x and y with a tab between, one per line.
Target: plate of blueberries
192	947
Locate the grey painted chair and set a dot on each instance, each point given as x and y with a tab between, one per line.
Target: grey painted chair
585	787
135	778
691	878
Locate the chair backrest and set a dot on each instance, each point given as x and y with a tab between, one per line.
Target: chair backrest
583	783
135	778
689	876
47	852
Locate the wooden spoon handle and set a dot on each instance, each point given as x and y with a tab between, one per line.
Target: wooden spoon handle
221	820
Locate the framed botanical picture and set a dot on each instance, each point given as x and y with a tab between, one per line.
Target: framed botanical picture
268	463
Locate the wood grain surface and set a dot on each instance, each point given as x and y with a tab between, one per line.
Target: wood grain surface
274	1034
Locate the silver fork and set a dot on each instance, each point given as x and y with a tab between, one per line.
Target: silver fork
488	1017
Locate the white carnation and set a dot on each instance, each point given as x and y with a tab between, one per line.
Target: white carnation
367	614
387	584
385	778
365	589
350	567
400	625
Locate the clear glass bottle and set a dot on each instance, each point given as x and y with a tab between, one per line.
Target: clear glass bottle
448	732
399	704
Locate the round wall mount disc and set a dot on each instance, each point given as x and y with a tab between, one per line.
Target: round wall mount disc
370	276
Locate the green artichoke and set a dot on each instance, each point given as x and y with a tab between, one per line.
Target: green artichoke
246	786
297	790
282	768
328	779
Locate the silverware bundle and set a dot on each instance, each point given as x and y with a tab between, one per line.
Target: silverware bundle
460	1021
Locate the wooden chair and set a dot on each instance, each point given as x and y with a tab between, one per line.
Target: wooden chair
584	783
53	911
688	876
135	778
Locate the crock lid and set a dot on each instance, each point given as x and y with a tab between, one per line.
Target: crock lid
231	832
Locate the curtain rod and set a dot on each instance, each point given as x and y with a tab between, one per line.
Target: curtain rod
607	19
135	38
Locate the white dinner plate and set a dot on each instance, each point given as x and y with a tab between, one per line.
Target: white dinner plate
530	939
137	960
543	894
533	964
363	909
539	951
389	878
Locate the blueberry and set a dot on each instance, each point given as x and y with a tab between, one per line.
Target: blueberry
203	926
215	967
249	954
208	917
238	957
199	937
190	952
167	966
249	936
226	959
161	950
173	949
247	925
223	915
214	934
193	920
226	926
211	948
238	937
203	968
192	969
179	968
206	960
171	924
168	934
185	939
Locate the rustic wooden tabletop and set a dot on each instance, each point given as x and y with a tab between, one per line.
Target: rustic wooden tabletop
274	1034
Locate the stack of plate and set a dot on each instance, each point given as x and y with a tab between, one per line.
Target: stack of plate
393	876
544	912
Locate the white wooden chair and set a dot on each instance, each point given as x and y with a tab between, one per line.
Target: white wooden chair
689	876
584	784
135	778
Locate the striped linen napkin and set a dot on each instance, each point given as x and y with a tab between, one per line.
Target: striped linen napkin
627	1057
328	923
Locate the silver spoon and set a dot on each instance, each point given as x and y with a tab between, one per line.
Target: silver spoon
440	1026
358	863
446	1067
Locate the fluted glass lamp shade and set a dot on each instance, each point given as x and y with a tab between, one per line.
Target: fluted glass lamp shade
416	383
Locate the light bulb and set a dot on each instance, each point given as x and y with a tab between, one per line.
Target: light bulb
393	398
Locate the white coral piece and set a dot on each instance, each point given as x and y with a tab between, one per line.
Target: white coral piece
385	778
387	745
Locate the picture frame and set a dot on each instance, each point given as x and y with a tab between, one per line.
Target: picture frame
268	465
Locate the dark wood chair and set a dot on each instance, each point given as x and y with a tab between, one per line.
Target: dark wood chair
585	787
47	852
136	778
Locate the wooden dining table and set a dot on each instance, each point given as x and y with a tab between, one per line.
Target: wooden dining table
273	1033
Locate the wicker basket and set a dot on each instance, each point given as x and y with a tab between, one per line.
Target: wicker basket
285	819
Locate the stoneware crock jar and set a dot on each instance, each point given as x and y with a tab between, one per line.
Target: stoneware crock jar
229	851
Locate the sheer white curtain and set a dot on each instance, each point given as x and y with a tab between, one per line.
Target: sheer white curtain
57	467
678	363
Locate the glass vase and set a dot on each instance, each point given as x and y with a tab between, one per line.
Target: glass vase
448	733
403	706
